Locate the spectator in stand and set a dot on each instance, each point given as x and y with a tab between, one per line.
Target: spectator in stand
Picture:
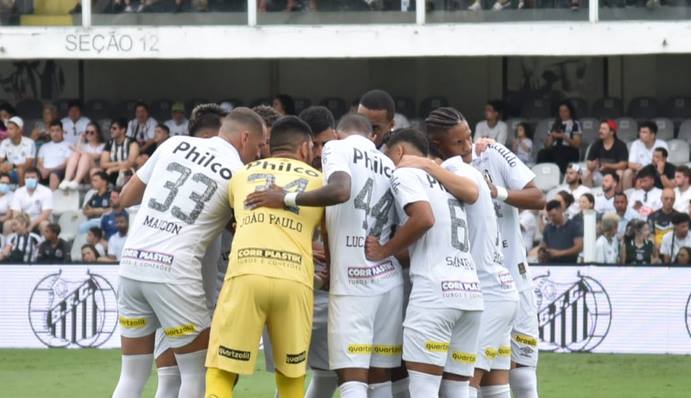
117	241
16	151
572	184
665	170
624	212
108	224
562	239
585	202
178	124
684	256
284	104
7	111
607	154
41	129
677	238
269	115
85	158
52	157
323	125
98	203
89	254
563	144
22	245
607	246
604	199
53	249
565	200
523	143
637	246
661	220
162	133
492	127
120	153
6	196
95	238
641	153
647	198
141	128
74	125
35	200
682	178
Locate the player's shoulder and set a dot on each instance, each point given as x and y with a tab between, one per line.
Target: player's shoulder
498	152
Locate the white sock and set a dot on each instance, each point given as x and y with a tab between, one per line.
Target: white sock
496	391
380	390
353	389
399	388
454	389
192	374
473	392
134	373
423	385
168	382
523	382
323	384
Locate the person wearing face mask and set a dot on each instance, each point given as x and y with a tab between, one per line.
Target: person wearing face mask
34	199
6	195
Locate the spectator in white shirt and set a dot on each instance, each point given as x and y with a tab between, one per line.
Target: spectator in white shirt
117	241
16	151
40	132
677	238
74	125
607	245
624	212
178	124
35	200
682	177
6	195
523	143
641	152
85	158
604	197
141	128
492	127
647	197
52	157
572	184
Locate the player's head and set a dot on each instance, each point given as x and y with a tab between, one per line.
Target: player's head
269	115
293	137
379	108
354	124
321	121
449	133
205	120
646	177
408	141
246	131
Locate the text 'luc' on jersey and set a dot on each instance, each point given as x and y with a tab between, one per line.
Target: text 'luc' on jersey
442	269
502	167
185	206
369	211
485	240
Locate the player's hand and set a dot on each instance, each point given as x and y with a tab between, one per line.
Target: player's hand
374	251
482	144
416	162
271	197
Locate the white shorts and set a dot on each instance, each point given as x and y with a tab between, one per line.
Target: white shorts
180	310
524	335
494	349
162	344
444	337
365	331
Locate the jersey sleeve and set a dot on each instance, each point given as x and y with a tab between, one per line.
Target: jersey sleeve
514	172
406	187
334	159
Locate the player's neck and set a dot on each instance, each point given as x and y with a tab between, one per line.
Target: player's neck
286	155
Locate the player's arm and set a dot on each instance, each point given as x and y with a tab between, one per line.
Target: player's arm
132	192
420	219
336	191
463	188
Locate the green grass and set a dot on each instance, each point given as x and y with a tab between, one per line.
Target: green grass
61	373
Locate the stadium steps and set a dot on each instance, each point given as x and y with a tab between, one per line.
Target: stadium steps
50	13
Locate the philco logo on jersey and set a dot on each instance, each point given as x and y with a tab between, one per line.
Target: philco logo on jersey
433	183
510	158
234	354
372	162
371	272
204	160
458	286
294	359
279	165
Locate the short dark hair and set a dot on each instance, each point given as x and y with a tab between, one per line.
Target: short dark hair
621	194
143	105
379	100
121	122
98	232
497	105
526	127
102	174
410	136
7	107
647	171
206	116
74	103
54	227
268	114
442	119
288	133
663	151
288	103
164	128
319	118
553	204
568	198
569	105
55	123
90	247
355	122
613	174
684	169
32	170
680	218
590	197
649	124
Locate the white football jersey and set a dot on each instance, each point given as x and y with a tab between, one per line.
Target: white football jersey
502	167
442	269
485	240
369	211
185	206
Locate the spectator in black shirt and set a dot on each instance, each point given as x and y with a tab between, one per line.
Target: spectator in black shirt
638	248
665	170
53	249
98	203
22	244
120	152
562	239
563	143
161	133
607	154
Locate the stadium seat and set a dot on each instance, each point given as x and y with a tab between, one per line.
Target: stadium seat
261	101
685	130
76	252
125	109
69	224
678	152
665	128
627	129
193	102
29	108
537	108
429	104
541	132
607	108
546	176
677	108
97	109
160	109
301	104
643	108
65	201
405	106
337	106
580	106
590	127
